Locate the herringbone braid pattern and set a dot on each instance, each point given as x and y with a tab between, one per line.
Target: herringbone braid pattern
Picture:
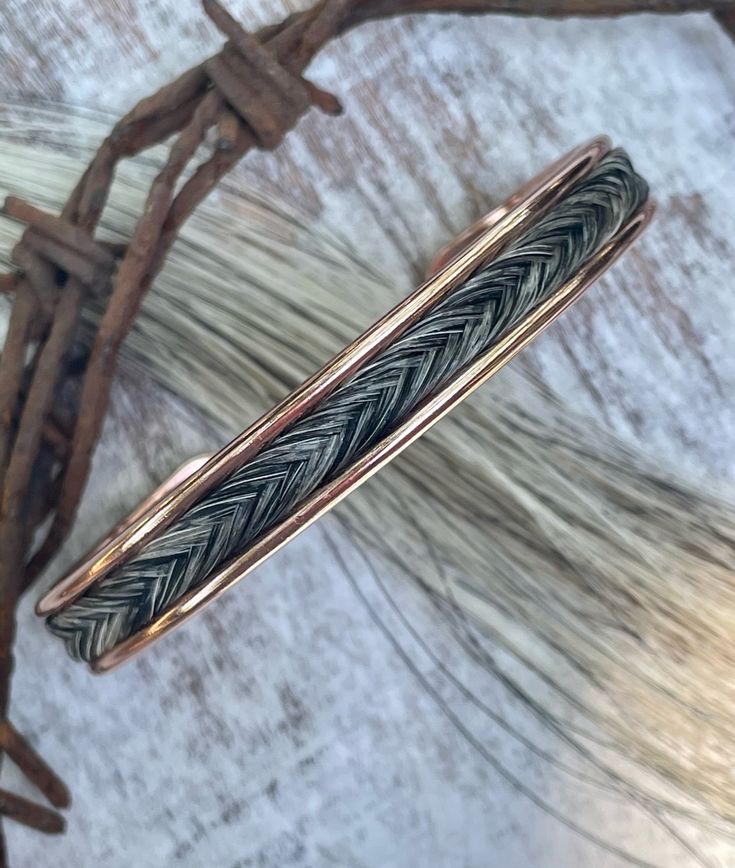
356	415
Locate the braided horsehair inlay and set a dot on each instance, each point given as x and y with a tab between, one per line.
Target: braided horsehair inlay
356	415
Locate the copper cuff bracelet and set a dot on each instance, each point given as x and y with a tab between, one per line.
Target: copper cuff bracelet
546	244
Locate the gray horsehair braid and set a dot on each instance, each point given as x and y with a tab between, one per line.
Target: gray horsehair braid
356	415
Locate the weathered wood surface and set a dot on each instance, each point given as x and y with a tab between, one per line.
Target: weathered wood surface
284	727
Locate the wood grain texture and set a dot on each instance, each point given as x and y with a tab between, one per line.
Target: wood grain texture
303	735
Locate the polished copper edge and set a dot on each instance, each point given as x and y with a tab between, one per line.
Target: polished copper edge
484	239
151	502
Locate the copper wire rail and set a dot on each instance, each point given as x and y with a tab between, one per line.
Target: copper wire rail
454	264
